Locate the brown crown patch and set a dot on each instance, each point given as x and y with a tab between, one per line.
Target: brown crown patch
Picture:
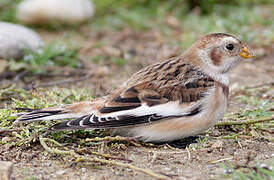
211	38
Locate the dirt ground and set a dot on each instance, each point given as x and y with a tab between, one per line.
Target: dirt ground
201	160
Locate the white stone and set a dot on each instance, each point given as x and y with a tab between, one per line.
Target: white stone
63	11
14	39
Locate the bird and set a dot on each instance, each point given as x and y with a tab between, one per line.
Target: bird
172	99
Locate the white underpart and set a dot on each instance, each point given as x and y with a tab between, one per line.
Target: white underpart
199	123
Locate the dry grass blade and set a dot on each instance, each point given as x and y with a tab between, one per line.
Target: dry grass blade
116	138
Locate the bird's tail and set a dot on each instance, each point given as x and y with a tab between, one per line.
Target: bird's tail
70	111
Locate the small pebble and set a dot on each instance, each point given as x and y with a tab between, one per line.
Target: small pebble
83	170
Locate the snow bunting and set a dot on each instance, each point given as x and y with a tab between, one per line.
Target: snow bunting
166	101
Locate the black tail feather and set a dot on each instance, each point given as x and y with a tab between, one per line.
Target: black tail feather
34	114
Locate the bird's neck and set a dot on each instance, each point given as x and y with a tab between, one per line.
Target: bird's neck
201	61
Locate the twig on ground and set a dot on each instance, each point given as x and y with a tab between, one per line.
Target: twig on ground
97	160
221	160
170	147
116	138
53	141
109	156
250	121
168	152
102	154
54	150
109	138
188	153
240	145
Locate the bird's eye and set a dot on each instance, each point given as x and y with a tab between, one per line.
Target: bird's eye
229	47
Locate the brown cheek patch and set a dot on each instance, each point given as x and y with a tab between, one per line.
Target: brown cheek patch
216	56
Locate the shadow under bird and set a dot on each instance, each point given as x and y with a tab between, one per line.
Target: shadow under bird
172	99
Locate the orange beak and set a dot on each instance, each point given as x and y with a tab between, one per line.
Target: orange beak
246	53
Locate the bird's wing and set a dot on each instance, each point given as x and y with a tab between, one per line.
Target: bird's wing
144	103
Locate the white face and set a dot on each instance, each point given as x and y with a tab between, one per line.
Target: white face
230	49
221	55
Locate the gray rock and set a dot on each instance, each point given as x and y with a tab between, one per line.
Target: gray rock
5	170
14	39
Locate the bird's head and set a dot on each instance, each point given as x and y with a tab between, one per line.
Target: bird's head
219	52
